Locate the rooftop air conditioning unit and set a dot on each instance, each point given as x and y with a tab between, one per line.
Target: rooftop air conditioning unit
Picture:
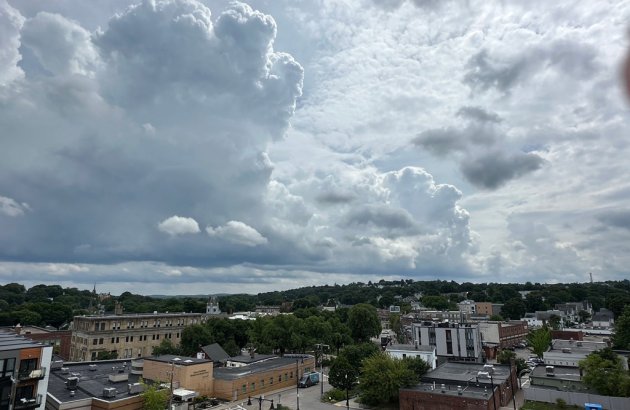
65	370
459	390
109	392
57	364
566	350
72	383
488	368
134	388
485	375
549	370
93	367
579	344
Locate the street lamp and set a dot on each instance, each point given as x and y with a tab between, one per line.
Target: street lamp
347	402
321	346
260	400
297	382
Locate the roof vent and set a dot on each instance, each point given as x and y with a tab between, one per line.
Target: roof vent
65	370
566	350
443	388
72	383
109	392
93	367
549	370
459	390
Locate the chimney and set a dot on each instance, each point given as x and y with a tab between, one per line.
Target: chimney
118	308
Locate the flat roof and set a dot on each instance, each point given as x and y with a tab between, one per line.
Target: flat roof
178	360
411	348
470	391
93	378
461	372
245	358
233	373
134	315
559	372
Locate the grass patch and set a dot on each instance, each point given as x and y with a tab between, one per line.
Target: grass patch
537	405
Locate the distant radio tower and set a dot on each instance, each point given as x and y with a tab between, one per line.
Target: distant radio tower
591	275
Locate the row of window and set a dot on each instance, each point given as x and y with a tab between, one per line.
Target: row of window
141	338
99	326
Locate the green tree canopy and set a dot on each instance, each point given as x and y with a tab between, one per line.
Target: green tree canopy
381	378
621	338
604	372
342	374
363	322
539	340
154	399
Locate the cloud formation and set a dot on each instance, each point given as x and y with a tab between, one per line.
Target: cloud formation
178	225
237	232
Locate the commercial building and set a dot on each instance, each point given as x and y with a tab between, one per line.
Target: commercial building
488	309
569	352
453	341
59	339
562	378
468	386
261	376
188	372
24	367
503	334
426	353
126	335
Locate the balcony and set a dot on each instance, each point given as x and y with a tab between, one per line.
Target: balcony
25	403
32	374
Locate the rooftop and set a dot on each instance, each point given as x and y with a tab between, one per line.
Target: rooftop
11	341
470	391
93	378
246	358
411	348
559	372
134	315
178	360
232	373
460	372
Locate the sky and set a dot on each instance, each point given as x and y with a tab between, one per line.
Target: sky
193	147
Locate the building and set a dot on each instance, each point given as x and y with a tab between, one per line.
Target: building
443	316
468	386
59	339
24	372
126	335
488	309
452	341
503	334
215	353
571	310
558	377
426	353
603	319
261	376
212	307
102	385
467	306
540	318
568	353
190	373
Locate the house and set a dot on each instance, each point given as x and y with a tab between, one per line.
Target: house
426	353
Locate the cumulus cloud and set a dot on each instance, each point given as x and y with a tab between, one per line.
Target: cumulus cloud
478	114
11	22
178	225
493	170
238	233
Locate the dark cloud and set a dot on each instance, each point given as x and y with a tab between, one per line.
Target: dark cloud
494	170
441	141
334	197
385	217
487	70
616	218
478	114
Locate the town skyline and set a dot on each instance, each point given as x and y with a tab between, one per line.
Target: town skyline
170	147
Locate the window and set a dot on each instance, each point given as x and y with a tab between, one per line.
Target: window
113	339
262	383
279	378
157	337
117	340
244	388
94	341
286	377
291	375
7	366
271	380
100	341
252	387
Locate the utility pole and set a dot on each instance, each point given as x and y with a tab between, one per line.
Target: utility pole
297	382
170	397
320	347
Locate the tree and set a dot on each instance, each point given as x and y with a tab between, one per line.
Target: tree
513	308
356	354
539	340
193	337
342	374
107	355
154	399
584	316
621	338
418	366
165	347
363	322
496	318
555	322
382	376
396	325
604	372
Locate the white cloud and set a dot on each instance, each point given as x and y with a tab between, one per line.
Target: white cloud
237	232
178	225
11	22
10	207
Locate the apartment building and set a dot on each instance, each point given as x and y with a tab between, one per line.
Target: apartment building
453	341
24	366
503	334
126	335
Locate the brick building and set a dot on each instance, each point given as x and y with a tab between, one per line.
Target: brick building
126	335
59	339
